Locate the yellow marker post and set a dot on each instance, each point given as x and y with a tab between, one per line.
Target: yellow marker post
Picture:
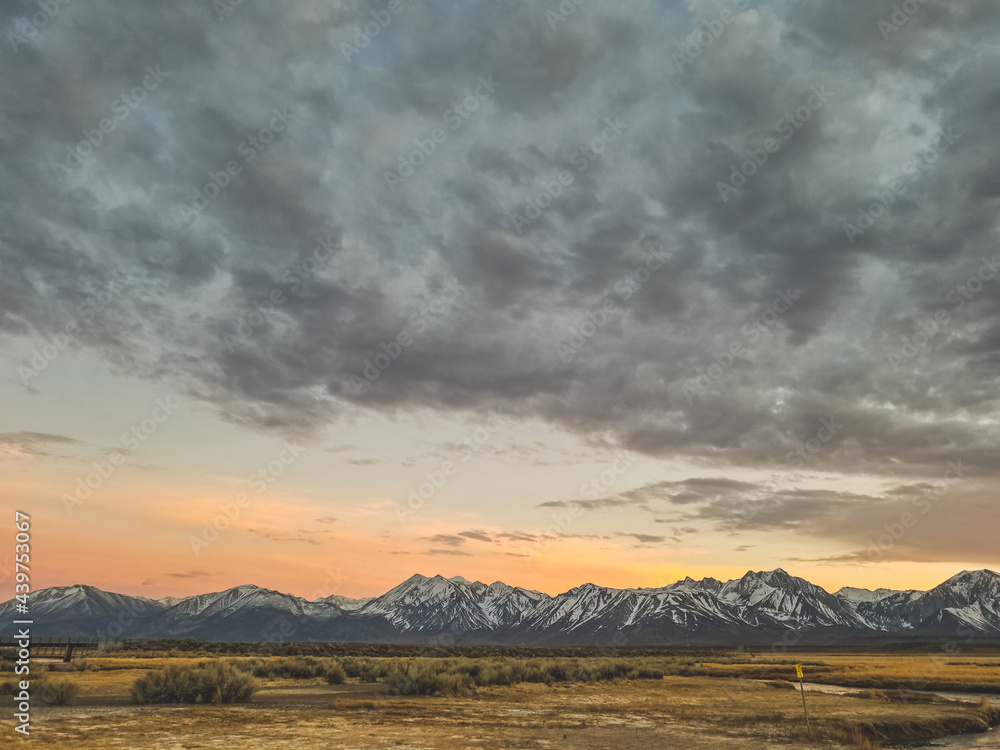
798	673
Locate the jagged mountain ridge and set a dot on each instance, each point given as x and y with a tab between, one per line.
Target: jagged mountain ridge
969	600
759	605
439	603
346	603
82	601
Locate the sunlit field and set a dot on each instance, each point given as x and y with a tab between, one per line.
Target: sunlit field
384	697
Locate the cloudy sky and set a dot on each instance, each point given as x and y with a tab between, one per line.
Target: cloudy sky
539	292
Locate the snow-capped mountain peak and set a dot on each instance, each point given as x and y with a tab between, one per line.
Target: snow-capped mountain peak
83	601
690	584
856	595
972	584
451	603
760	604
346	603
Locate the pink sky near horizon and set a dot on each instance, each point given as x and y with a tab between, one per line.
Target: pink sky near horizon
130	549
336	507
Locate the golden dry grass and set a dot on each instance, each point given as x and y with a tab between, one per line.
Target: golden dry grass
935	670
698	711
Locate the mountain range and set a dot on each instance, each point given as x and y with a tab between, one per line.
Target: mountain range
757	608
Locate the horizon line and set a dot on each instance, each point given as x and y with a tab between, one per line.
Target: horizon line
523	588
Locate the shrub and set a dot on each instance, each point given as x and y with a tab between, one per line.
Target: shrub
215	682
60	692
174	684
987	711
431	679
335	675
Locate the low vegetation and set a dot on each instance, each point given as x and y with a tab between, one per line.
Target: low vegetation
45	691
214	682
708	696
456	675
57	692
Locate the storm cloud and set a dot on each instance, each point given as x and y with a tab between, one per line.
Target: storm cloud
687	243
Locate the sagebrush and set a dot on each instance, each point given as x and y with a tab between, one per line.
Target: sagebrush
211	682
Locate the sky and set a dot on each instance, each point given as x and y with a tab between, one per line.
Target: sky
320	295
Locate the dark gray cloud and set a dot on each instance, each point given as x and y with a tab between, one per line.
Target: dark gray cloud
952	518
655	375
639	539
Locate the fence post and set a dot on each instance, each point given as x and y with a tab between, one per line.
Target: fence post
798	671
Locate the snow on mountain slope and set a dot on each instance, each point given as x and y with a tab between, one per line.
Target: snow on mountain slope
855	596
346	603
757	605
971	597
243	599
169	601
80	601
438	604
508	605
686	606
786	600
690	584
